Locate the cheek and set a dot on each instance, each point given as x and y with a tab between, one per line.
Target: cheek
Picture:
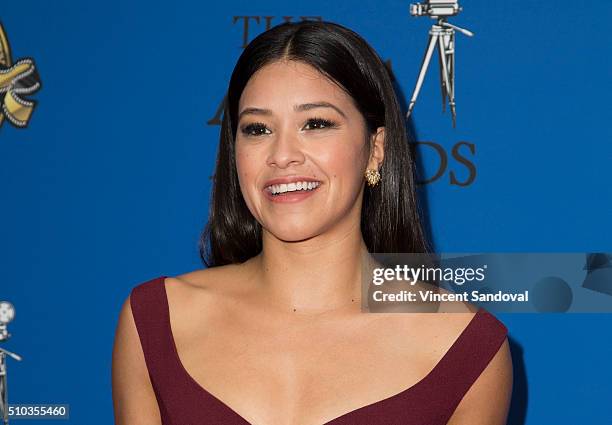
245	169
244	165
344	165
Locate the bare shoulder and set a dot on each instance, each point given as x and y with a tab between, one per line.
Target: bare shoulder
134	400
227	280
435	317
488	399
449	316
206	278
428	330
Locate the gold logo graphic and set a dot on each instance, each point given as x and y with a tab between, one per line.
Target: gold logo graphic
16	79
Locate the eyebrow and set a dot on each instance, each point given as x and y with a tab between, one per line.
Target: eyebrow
297	108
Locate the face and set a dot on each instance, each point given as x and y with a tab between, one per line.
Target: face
301	150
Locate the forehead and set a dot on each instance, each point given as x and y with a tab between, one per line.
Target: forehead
288	83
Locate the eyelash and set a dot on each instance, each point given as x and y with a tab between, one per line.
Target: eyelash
247	129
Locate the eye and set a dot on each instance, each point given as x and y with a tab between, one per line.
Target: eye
254	129
320	123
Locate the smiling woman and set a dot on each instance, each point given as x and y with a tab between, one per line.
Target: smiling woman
313	173
324	142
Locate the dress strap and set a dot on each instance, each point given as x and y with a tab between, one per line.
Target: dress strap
148	312
151	316
467	358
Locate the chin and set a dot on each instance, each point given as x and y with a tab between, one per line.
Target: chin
293	233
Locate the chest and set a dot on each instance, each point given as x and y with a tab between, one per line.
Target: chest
301	373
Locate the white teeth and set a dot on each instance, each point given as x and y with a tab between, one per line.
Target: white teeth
292	187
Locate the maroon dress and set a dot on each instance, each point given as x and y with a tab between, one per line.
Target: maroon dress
431	401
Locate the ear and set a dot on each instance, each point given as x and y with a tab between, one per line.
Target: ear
377	149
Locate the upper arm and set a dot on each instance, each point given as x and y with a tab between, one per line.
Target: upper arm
488	399
134	401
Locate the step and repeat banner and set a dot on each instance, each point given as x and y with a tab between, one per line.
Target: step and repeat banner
109	127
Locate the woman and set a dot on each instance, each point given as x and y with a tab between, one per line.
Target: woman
313	172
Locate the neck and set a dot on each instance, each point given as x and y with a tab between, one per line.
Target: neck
321	274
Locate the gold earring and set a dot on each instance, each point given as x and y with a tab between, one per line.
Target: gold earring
372	177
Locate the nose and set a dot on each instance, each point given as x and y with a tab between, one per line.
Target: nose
285	151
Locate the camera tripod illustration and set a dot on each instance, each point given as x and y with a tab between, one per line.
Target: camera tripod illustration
442	36
7	313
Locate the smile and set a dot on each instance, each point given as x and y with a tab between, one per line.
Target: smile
288	193
278	189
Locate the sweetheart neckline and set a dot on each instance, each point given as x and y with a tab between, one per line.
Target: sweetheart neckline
402	393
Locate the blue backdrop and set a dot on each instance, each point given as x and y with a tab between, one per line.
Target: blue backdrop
109	184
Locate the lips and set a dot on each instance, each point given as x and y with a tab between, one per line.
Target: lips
288	179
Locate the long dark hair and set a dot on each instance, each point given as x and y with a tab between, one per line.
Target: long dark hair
390	219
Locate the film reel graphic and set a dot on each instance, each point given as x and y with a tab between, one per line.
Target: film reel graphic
16	80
